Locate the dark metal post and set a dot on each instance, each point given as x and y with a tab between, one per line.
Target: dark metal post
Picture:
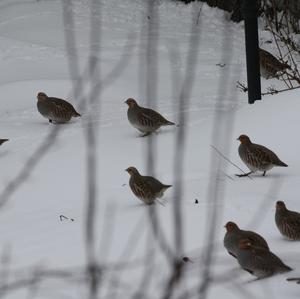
249	10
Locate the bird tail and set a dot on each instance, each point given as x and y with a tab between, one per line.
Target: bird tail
287	268
3	140
169	123
166	187
280	163
76	114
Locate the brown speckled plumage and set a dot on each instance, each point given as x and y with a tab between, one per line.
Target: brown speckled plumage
55	109
270	65
146	188
288	222
143	119
234	234
257	157
259	261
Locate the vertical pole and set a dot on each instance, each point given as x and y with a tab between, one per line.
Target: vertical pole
249	10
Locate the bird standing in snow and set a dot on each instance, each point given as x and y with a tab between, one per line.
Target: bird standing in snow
144	119
257	157
259	261
234	234
55	109
146	188
270	65
288	222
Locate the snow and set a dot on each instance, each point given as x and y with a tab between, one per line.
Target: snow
33	58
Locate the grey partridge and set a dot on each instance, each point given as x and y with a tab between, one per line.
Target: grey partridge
288	222
270	65
3	140
259	261
143	119
54	109
257	157
234	234
146	188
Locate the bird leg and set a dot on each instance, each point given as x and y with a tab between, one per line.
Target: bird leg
244	174
50	121
160	202
264	173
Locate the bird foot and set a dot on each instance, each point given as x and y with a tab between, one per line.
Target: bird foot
243	174
296	279
145	134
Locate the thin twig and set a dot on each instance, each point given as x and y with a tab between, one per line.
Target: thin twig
229	161
198	15
275	91
242	86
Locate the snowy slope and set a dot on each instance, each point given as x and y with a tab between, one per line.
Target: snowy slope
33	58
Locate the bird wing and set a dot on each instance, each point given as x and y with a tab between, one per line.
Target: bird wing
62	105
293	222
270	156
154	184
263	154
152	116
139	190
267	259
256	157
256	239
271	62
261	262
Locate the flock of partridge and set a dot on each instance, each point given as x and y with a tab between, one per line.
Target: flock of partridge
249	248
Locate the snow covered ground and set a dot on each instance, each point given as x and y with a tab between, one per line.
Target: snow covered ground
33	58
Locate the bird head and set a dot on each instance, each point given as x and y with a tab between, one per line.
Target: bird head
280	206
132	170
245	244
230	226
131	102
42	96
244	139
